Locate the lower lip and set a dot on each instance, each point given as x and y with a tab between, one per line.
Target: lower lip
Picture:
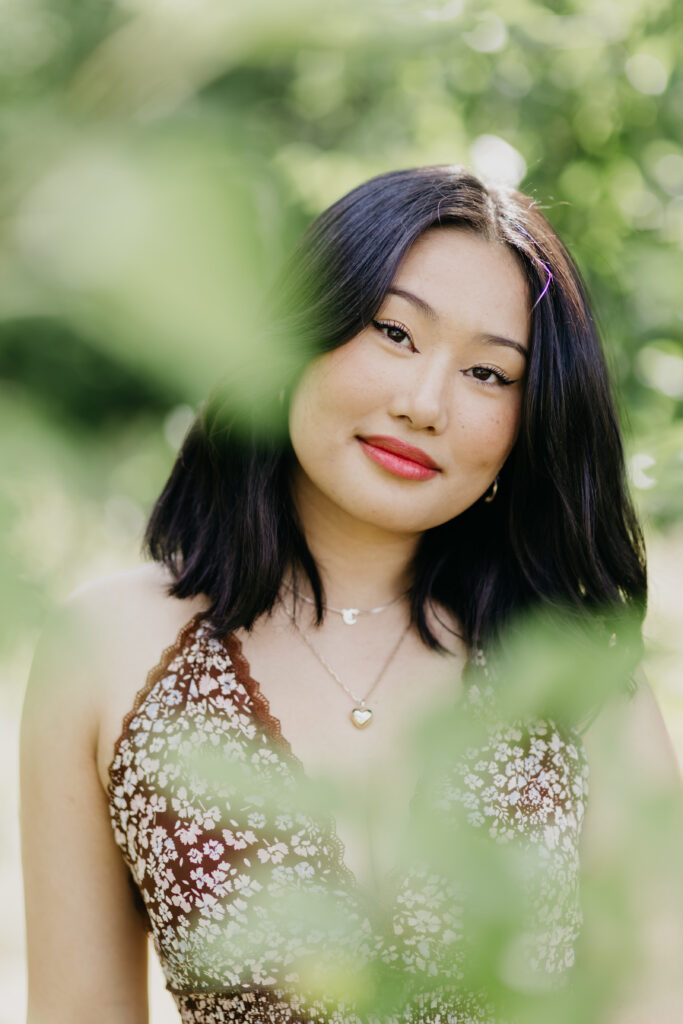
397	464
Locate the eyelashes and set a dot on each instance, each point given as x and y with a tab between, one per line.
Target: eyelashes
488	371
398	335
386	327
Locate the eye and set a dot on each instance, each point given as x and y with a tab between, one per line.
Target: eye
395	333
490	375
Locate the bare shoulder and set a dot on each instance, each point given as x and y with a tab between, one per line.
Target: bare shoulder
120	598
100	645
104	623
636	727
85	939
631	759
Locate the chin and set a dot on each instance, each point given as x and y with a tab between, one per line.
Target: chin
401	520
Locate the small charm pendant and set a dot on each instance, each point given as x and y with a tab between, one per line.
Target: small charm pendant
349	615
361	717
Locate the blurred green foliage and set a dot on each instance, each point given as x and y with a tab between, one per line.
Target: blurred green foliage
160	158
509	867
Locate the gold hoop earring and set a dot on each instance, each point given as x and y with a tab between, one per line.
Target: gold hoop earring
493	491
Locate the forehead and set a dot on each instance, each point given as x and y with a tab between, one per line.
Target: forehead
461	274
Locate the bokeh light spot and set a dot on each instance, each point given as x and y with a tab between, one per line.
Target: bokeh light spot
638	466
497	161
646	74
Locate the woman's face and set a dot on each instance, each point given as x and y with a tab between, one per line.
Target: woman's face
407	424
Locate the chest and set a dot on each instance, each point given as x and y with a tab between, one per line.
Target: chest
222	828
371	773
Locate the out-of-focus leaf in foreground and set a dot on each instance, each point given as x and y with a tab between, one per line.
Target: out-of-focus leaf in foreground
497	834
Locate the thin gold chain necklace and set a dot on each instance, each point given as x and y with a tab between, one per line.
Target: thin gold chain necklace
361	715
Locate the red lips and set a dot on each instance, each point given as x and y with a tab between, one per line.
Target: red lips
406	451
399	458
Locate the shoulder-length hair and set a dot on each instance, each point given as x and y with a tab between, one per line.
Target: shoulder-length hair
561	532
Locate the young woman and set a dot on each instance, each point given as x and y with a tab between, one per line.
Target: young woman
451	459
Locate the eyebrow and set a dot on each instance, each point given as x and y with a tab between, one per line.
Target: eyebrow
430	312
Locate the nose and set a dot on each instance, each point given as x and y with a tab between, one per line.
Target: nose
422	399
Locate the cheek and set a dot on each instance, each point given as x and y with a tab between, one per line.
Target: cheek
337	386
323	400
490	433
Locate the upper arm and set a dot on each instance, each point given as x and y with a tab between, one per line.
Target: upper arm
646	734
631	849
631	759
86	943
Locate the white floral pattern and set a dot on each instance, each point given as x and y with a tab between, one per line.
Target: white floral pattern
210	855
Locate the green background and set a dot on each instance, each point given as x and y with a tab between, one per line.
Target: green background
158	159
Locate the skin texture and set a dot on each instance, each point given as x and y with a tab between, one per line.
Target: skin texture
429	378
425	379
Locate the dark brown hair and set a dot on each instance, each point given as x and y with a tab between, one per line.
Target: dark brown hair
562	531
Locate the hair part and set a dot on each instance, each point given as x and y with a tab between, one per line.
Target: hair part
562	531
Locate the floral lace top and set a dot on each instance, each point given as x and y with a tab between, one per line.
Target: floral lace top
203	798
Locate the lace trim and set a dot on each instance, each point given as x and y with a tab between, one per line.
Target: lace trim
154	675
259	704
273	726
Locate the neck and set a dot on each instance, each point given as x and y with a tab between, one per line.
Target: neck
360	564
